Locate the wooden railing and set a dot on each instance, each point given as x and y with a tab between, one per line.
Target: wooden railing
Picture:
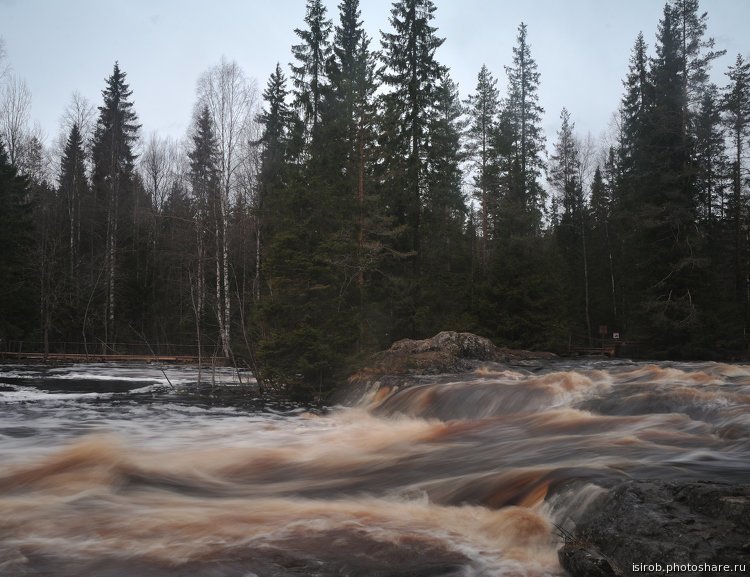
120	352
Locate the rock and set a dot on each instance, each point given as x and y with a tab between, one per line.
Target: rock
446	352
580	560
658	527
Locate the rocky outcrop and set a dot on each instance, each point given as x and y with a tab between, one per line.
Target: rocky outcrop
659	528
446	352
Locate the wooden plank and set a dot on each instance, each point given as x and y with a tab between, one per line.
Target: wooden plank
79	357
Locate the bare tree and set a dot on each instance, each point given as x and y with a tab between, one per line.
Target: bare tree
82	113
15	109
33	158
4	66
587	157
230	99
159	170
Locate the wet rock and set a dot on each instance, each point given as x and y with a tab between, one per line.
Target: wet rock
581	560
446	352
658	528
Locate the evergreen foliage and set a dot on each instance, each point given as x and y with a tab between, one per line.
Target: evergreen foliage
363	202
311	54
525	138
483	108
116	199
17	297
411	73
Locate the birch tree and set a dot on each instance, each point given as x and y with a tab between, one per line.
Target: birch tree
4	67
230	99
15	110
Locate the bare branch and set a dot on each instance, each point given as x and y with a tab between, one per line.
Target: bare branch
15	110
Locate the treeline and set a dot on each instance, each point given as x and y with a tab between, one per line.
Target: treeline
360	200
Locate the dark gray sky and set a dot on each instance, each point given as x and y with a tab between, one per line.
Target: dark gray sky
581	47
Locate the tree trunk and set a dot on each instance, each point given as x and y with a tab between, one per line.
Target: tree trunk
225	277
585	277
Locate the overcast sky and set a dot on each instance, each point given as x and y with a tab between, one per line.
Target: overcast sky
581	47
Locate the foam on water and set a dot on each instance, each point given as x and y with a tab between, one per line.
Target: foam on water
455	475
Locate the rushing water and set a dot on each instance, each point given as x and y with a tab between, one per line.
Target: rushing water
111	471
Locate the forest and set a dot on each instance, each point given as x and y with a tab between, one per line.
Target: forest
360	200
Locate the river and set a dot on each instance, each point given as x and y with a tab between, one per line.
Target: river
117	470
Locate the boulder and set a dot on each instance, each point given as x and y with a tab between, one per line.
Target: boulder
446	352
658	527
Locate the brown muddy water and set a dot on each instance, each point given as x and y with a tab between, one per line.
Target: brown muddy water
107	471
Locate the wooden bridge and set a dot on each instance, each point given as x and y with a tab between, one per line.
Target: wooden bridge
120	353
103	358
604	350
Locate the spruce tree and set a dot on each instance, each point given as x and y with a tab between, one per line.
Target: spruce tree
696	55
483	107
571	230
520	301
565	168
635	104
445	268
17	294
736	105
113	182
74	191
710	159
625	173
304	319
526	138
309	74
276	119
667	246
601	255
350	116
204	181
411	73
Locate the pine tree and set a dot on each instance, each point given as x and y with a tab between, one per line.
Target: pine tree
113	180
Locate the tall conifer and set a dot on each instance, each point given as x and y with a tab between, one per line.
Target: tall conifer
411	73
527	141
113	156
483	107
311	54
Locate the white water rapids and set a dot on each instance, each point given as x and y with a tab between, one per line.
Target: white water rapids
110	471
